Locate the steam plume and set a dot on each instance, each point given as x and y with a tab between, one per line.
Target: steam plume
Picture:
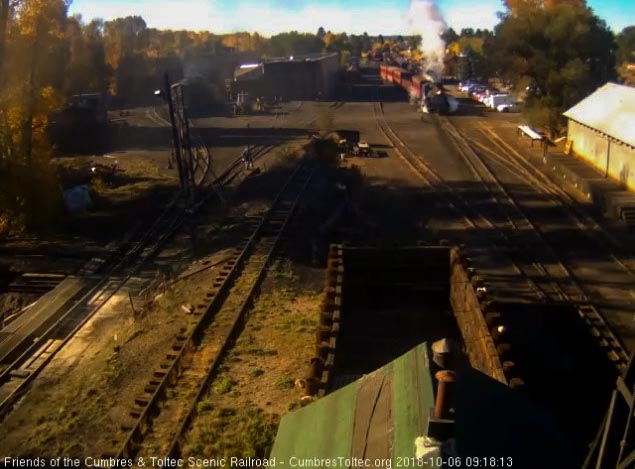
424	18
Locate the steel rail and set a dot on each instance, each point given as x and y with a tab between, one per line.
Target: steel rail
43	349
597	324
175	447
567	286
586	222
70	322
171	369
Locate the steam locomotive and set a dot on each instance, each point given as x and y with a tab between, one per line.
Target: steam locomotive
426	91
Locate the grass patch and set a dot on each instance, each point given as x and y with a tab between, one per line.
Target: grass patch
113	367
256	373
261	352
223	385
204	406
246	432
283	269
285	382
298	324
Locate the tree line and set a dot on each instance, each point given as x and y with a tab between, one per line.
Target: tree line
46	56
557	50
554	52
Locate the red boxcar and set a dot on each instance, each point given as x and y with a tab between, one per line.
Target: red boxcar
383	71
396	75
389	72
416	86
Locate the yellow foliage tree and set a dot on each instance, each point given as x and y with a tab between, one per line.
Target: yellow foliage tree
36	55
516	6
454	48
329	39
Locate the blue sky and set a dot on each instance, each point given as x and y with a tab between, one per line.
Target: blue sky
353	16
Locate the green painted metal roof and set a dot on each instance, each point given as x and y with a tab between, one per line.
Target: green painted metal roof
377	416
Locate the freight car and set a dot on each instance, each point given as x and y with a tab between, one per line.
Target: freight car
383	72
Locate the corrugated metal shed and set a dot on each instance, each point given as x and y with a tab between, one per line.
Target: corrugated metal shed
610	110
356	420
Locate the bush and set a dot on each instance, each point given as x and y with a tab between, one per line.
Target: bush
541	114
323	151
223	385
30	195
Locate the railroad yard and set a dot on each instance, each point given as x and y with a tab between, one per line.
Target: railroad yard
178	330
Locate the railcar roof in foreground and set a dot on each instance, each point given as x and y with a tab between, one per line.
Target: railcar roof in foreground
355	421
610	110
379	416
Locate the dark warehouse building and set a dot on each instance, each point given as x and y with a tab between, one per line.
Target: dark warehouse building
299	77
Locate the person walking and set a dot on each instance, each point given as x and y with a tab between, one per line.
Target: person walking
243	156
248	158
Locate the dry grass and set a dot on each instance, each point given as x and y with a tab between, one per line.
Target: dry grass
76	407
273	350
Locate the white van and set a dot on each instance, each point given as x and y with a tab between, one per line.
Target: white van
496	100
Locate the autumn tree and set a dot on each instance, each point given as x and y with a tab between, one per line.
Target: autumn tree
123	38
321	33
625	55
336	42
366	42
5	8
560	54
86	69
36	54
519	6
293	43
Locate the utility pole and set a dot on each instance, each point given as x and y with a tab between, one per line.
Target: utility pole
191	158
181	137
175	132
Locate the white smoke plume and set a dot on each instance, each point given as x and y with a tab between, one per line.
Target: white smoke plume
424	19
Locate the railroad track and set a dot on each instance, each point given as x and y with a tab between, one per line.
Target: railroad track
511	228
114	272
156	427
588	225
16	376
552	275
35	283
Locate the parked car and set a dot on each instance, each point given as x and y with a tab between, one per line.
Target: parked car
473	87
478	94
465	85
509	107
495	100
476	89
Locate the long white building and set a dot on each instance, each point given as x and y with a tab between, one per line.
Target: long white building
601	130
